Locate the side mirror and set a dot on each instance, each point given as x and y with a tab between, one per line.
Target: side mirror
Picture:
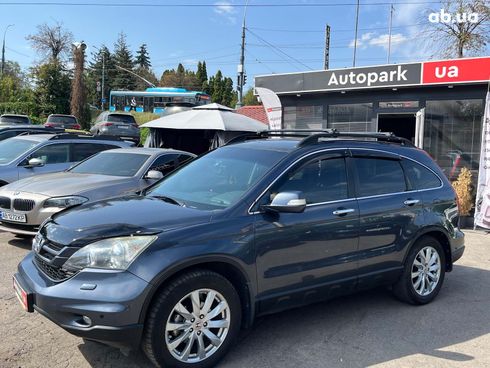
154	175
35	162
293	202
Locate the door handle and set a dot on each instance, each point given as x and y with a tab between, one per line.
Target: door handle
343	211
411	202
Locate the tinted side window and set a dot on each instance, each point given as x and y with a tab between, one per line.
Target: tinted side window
321	180
379	176
184	158
420	177
83	150
53	153
165	163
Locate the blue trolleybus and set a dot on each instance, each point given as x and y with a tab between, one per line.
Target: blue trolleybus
155	100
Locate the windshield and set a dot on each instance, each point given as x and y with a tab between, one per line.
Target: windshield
12	148
62	119
218	179
14	120
112	163
115	118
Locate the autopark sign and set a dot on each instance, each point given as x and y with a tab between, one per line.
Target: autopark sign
399	75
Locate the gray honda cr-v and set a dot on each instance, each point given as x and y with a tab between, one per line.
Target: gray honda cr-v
248	229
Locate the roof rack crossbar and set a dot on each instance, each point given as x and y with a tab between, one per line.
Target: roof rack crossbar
85	136
312	136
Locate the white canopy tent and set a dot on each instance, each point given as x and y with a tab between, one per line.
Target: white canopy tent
200	129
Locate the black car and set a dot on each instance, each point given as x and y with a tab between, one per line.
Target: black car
15	130
248	229
15	119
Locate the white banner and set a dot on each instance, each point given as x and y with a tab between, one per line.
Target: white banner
272	106
482	206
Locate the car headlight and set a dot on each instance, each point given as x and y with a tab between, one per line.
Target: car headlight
64	202
111	253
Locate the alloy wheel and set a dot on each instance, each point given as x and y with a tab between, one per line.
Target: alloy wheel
197	325
426	271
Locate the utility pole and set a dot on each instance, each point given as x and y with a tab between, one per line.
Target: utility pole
242	78
392	9
327	47
3	48
102	91
355	39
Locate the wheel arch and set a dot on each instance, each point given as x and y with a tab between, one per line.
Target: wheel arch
226	267
440	235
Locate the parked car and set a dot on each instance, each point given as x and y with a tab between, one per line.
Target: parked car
117	124
29	155
15	130
107	174
245	230
62	121
14	119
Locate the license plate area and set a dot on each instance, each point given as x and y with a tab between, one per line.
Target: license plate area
25	298
14	217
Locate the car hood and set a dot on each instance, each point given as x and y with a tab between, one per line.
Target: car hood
121	216
64	183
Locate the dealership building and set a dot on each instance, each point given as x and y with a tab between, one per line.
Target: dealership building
439	105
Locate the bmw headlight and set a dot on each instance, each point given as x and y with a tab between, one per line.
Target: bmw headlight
111	253
64	202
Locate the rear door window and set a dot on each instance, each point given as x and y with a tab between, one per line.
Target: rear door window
377	176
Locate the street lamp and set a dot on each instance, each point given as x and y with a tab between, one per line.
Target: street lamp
102	98
3	48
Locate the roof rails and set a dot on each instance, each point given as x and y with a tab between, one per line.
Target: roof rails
85	136
314	136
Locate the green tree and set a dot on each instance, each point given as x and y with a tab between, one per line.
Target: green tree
201	74
182	78
142	60
52	86
102	59
123	58
250	99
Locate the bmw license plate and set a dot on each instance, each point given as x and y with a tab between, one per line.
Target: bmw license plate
14	217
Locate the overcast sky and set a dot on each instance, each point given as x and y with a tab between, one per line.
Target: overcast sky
280	39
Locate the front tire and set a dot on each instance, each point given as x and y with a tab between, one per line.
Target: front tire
423	273
193	321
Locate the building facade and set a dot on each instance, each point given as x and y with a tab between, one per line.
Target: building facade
439	105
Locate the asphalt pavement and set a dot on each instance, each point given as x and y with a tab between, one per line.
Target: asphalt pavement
367	329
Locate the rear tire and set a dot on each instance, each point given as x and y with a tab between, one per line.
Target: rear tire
193	321
423	273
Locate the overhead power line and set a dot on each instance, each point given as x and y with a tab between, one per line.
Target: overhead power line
278	49
208	5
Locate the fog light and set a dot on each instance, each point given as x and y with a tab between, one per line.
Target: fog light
87	321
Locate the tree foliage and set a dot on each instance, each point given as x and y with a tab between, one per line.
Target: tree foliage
123	58
52	86
142	60
102	60
455	37
53	43
249	99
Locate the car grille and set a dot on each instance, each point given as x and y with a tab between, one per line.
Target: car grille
5	203
23	204
52	272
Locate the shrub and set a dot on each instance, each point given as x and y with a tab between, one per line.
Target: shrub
463	188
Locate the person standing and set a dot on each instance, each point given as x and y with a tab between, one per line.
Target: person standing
133	104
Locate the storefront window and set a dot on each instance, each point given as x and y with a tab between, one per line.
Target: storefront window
351	117
452	134
304	117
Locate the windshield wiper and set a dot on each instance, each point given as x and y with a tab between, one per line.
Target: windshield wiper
168	200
